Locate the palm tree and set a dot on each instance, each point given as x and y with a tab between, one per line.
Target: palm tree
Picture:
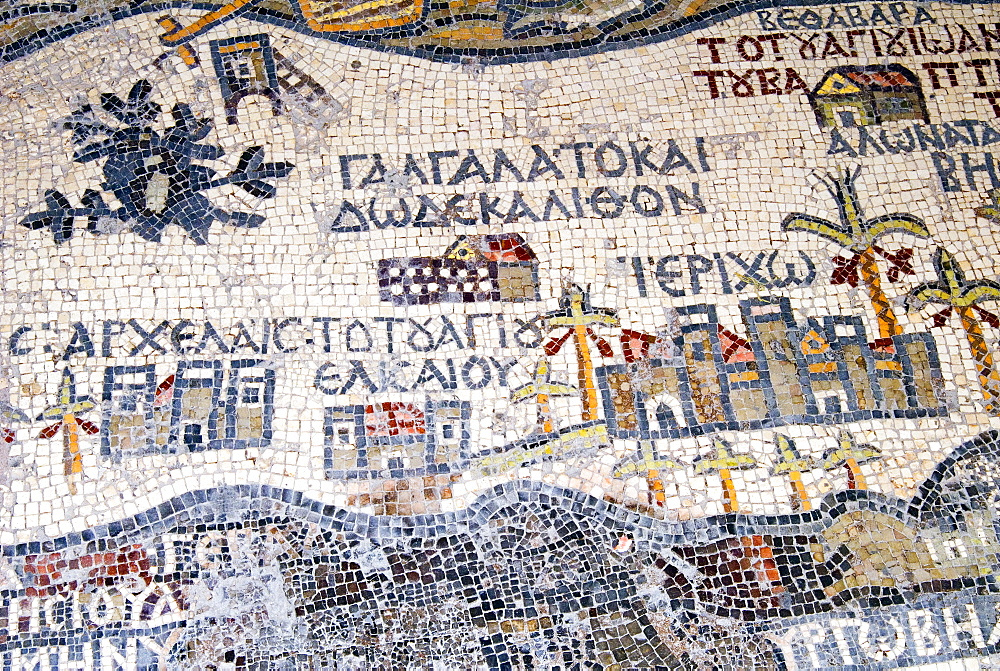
860	235
578	315
721	461
541	389
850	455
647	460
791	462
66	411
963	296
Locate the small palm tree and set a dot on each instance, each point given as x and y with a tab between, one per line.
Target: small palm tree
65	411
791	462
848	454
723	462
860	235
646	459
541	389
963	296
577	314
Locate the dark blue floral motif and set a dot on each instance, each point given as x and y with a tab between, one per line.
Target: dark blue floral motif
153	175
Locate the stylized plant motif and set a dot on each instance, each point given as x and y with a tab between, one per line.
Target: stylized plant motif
577	314
65	411
860	235
792	463
722	461
848	454
963	296
152	174
541	389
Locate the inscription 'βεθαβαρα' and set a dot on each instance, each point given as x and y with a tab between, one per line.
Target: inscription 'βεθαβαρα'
852	16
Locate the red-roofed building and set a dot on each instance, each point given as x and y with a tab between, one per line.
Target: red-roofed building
734	348
851	96
474	268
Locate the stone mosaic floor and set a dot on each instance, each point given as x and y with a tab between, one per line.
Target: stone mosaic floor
496	334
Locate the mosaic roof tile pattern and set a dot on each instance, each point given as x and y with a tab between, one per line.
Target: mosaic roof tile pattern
512	334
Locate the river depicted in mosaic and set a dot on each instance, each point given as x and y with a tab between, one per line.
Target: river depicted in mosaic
528	575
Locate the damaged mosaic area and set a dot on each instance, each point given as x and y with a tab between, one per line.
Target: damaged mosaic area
499	335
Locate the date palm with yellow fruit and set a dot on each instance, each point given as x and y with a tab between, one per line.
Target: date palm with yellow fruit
793	464
849	455
542	389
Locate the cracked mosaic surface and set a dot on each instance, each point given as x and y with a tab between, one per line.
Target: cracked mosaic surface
499	334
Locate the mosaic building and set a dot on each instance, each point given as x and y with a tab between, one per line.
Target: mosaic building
500	335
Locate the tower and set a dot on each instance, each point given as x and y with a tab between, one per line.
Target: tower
780	363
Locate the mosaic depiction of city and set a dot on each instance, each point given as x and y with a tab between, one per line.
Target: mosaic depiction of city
528	572
648	388
717	581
